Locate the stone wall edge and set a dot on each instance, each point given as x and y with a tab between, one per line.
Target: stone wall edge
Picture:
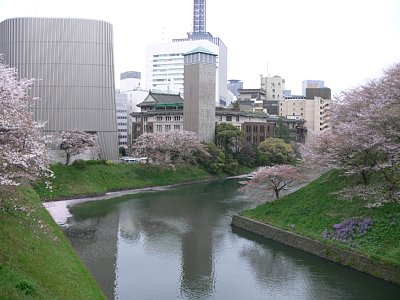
344	257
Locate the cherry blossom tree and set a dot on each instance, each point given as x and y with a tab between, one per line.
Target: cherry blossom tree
147	144
365	134
181	145
74	142
23	153
272	179
171	146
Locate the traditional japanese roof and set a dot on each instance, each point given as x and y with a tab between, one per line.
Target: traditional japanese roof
161	99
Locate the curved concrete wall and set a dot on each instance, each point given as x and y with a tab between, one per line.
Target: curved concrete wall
72	61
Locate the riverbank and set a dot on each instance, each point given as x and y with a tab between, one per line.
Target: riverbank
97	179
314	209
36	260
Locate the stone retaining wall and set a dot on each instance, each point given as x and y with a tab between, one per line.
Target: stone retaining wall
344	257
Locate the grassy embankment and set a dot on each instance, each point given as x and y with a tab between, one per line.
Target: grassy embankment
314	208
93	179
36	260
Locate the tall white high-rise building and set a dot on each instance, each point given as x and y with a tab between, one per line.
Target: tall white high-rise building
164	61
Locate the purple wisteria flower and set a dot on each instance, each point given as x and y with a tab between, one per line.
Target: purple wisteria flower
348	229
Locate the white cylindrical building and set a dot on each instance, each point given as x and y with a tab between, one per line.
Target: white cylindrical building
72	62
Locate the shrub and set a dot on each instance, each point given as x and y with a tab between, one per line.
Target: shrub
80	164
26	287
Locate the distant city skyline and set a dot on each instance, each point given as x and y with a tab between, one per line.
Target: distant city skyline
343	43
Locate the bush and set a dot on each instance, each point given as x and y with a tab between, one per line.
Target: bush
80	164
215	162
276	151
98	162
26	287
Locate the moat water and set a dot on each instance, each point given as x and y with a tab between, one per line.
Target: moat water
178	244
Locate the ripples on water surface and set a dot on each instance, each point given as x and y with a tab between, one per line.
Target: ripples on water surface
178	244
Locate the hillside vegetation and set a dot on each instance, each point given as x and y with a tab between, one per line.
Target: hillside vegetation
36	260
315	209
93	178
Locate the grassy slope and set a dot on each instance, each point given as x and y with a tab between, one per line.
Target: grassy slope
39	263
97	179
313	208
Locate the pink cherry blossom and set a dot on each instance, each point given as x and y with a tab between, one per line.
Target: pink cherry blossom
23	152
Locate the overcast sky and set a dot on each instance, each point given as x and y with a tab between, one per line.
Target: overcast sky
343	42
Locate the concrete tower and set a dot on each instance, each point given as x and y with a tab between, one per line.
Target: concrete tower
72	61
199	104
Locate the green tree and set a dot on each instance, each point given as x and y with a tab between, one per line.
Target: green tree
215	161
281	130
249	156
276	151
228	137
231	165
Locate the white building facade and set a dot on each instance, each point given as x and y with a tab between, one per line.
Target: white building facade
314	111
165	65
121	104
273	86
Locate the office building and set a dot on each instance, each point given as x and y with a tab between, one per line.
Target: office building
72	62
313	109
234	85
315	84
130	80
121	102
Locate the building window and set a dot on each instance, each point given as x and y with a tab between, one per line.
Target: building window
177	118
219	118
229	118
159	128
177	127
168	118
144	119
237	118
159	118
167	127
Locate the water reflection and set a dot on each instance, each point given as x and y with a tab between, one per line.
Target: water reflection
95	240
179	244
